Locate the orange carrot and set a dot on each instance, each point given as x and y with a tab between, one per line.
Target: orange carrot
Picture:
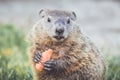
45	57
39	66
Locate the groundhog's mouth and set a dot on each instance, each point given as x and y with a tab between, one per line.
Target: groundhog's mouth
58	37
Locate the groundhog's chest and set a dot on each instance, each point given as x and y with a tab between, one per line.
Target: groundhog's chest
59	50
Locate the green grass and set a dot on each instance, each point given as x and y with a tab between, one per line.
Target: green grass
113	72
13	57
14	60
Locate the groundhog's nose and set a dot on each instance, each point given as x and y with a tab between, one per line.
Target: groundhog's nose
59	31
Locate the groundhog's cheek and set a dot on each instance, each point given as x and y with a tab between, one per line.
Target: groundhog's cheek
50	34
66	33
51	31
66	36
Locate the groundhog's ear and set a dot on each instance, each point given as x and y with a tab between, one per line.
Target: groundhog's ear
41	13
73	16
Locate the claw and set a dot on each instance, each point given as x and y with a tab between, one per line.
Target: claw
49	65
37	57
36	61
47	69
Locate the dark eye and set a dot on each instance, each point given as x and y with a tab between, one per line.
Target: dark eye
48	20
68	21
43	16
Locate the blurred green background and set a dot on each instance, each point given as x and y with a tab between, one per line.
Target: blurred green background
14	64
99	19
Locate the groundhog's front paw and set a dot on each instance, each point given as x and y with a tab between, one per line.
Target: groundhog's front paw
49	65
37	57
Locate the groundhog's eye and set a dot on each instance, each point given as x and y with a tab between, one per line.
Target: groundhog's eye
68	21
48	20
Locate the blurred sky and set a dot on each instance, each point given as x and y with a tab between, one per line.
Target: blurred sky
99	19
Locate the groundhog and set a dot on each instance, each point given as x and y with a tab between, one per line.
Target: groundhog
74	56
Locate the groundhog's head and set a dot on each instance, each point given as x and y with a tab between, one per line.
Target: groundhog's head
56	25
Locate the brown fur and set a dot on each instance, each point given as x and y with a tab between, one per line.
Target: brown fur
77	58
